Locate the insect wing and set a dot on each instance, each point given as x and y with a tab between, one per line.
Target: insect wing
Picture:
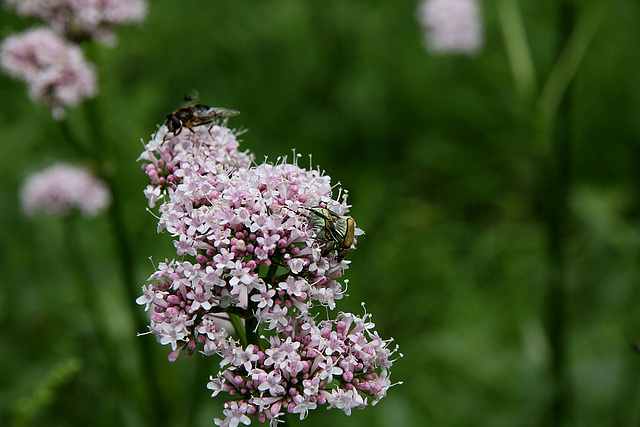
340	226
223	112
203	114
321	224
190	98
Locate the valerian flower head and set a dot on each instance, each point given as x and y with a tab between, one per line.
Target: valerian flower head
81	19
340	362
62	188
247	249
54	69
451	26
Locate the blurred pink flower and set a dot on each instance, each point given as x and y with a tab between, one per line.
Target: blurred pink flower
54	69
80	19
451	26
61	188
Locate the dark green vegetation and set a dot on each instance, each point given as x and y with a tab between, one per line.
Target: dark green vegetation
502	249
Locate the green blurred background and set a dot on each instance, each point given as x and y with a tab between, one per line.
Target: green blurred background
483	239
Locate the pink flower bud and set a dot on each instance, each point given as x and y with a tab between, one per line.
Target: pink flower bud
348	376
275	408
173	299
173	311
238	381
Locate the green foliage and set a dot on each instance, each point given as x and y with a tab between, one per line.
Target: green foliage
445	175
27	408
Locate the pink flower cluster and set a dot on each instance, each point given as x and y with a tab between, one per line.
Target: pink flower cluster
54	69
451	26
49	60
80	19
63	187
339	362
254	256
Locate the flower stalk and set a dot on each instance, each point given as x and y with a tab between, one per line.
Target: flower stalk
52	64
517	49
551	113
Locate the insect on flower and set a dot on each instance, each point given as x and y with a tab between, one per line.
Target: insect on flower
336	232
190	114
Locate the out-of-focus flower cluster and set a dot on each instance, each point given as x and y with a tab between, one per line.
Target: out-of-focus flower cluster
252	254
451	26
49	59
82	19
62	188
54	69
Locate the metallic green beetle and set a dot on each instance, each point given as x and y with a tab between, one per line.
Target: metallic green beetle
336	232
345	228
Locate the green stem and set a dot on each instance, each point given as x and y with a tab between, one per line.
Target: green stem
271	272
28	408
555	198
568	61
249	333
253	335
103	153
554	121
89	299
92	110
126	256
147	362
92	113
517	47
239	328
251	324
71	139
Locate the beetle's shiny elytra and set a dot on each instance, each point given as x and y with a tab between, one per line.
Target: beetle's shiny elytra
345	227
336	232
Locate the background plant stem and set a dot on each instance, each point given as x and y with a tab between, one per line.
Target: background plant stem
88	300
557	183
557	187
101	152
552	136
517	49
575	36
